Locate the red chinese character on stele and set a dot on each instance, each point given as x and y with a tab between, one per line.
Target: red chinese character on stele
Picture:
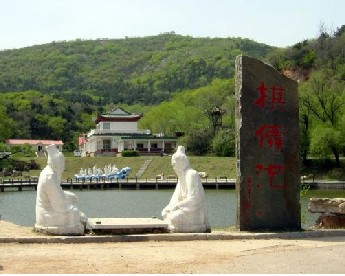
272	171
275	97
271	134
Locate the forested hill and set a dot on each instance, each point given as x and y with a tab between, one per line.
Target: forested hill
145	70
53	91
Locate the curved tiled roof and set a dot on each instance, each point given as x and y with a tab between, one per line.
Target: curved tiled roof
118	115
33	142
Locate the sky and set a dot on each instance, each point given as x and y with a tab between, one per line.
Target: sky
274	22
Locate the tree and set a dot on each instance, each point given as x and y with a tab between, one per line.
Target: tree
199	142
6	126
58	126
326	141
305	132
223	143
323	97
340	31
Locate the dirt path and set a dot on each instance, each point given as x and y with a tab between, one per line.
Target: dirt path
321	255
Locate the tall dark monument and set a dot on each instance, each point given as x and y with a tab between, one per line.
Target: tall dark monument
267	148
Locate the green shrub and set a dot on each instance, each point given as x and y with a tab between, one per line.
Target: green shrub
336	173
223	144
129	153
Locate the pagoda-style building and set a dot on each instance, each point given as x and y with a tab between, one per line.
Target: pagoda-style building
117	131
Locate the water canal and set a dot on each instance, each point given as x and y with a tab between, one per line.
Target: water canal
19	207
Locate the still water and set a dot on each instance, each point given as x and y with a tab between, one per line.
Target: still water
19	207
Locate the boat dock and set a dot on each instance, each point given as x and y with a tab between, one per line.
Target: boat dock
128	183
220	183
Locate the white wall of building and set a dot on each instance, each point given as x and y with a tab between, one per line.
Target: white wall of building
118	126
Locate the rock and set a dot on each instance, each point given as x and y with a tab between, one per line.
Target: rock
330	221
332	212
327	205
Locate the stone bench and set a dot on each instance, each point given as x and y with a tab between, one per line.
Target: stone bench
332	212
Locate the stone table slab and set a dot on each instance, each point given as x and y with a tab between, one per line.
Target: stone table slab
124	225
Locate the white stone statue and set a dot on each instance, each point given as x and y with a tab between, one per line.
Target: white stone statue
89	172
99	171
81	172
55	212
186	211
114	169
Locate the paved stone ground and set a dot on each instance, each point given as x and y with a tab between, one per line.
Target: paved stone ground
23	251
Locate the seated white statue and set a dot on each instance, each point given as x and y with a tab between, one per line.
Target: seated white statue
55	212
186	211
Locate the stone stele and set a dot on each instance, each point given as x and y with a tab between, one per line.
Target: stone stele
55	210
267	148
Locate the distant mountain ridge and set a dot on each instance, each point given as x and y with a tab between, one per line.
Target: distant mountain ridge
146	70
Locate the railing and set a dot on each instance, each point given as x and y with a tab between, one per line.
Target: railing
221	182
126	183
18	183
113	131
33	180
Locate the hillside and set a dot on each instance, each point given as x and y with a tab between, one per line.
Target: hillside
53	91
144	70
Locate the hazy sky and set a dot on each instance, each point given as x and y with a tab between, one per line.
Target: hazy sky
274	22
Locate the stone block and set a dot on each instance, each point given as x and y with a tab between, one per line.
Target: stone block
327	205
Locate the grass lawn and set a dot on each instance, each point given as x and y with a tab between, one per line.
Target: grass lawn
214	166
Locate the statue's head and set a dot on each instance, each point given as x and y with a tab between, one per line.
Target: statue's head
179	160
55	159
